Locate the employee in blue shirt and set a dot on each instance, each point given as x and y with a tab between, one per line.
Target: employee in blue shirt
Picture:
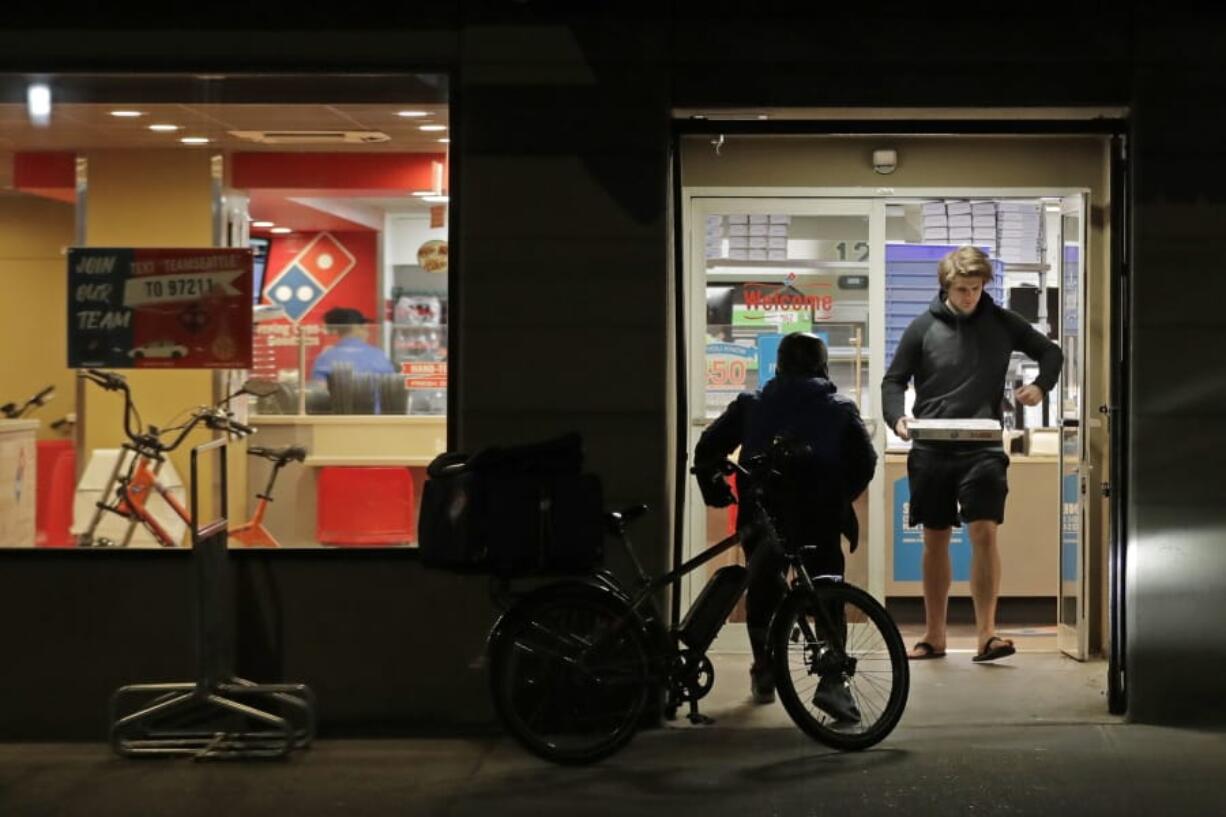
352	347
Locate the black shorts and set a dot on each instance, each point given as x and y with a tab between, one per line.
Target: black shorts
944	479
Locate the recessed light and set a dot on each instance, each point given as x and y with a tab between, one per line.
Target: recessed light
445	141
436	199
280	230
195	140
412	114
432	127
263	224
164	128
126	114
38	103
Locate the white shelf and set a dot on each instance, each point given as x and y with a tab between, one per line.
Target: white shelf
790	264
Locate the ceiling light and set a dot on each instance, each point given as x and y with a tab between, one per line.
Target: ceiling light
195	140
38	103
263	224
280	230
445	141
126	114
164	128
436	199
412	114
432	127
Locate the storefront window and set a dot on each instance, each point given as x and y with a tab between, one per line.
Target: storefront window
338	187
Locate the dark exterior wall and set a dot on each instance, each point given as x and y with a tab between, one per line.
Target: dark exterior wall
561	141
1177	571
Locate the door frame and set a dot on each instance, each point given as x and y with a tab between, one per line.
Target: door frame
797	202
688	500
1114	123
1074	641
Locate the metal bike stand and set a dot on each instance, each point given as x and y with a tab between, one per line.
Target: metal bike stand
219	715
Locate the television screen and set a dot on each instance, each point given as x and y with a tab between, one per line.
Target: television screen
259	262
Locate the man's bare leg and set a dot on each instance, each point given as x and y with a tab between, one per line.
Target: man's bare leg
985	577
937	576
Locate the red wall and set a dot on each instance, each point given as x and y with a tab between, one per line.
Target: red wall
356	290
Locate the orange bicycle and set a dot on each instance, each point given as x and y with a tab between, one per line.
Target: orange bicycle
134	479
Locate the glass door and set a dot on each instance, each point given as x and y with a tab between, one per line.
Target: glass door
757	269
1072	632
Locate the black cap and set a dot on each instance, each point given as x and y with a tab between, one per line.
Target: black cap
343	316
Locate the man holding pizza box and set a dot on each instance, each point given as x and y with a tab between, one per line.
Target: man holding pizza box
958	354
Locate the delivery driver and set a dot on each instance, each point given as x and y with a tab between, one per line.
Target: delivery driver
800	402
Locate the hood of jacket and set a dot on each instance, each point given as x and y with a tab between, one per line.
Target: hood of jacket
943	313
785	387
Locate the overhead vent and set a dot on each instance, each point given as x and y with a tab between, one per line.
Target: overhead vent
312	137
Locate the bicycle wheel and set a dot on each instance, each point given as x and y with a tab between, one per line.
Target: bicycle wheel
569	675
840	665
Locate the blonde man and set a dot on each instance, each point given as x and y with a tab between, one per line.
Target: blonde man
958	354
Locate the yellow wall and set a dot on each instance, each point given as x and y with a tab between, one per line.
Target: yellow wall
34	233
149	198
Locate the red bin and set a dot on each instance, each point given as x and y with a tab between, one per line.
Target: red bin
364	506
57	477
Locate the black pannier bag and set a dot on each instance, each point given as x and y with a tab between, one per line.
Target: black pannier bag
512	511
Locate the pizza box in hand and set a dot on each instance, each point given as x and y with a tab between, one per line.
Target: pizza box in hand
969	430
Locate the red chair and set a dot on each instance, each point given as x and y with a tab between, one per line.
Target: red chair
57	476
364	506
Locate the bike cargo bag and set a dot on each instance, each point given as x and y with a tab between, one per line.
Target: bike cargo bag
512	511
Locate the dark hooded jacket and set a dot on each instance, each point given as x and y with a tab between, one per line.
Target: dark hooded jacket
960	362
810	410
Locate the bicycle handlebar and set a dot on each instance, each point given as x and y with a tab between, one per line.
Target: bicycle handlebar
114	382
242	429
12	411
214	417
107	380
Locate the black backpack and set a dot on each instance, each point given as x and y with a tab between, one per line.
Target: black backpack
513	510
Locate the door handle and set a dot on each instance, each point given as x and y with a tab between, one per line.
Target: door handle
1070	423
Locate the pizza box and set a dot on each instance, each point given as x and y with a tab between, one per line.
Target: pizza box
972	430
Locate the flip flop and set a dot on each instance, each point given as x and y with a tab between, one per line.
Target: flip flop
926	651
1004	648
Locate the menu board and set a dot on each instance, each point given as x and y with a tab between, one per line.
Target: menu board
159	308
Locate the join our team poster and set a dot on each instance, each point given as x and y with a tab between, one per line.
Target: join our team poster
159	308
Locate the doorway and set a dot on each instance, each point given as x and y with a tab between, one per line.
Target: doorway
787	232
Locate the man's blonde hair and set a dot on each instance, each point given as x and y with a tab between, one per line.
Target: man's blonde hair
964	262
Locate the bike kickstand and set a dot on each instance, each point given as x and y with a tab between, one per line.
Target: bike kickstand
697	718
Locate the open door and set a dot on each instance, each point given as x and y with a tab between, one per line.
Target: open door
758	267
1073	630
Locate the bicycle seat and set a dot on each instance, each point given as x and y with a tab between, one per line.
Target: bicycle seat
617	520
279	455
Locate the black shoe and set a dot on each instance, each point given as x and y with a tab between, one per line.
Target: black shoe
834	697
762	686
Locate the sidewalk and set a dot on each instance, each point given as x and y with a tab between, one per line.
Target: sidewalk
1004	757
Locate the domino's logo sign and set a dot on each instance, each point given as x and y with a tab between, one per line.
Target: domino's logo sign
310	275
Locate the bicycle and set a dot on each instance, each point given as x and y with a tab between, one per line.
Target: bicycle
139	481
573	664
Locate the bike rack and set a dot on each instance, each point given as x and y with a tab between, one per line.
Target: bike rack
219	715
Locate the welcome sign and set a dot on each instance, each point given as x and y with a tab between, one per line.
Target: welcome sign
159	308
